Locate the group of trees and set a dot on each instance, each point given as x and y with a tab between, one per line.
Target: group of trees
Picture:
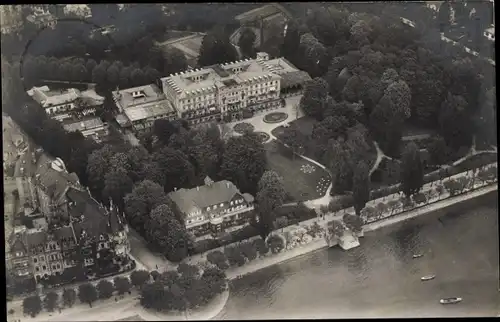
186	288
394	71
107	76
87	293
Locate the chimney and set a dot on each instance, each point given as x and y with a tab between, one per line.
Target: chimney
197	188
175	188
227	185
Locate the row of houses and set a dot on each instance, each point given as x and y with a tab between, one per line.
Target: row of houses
61	233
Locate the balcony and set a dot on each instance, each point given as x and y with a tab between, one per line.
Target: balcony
204	112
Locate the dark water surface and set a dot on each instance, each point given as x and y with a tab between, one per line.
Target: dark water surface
381	279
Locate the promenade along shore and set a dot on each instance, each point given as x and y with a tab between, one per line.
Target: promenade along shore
320	243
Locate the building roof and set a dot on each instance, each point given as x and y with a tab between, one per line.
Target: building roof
46	97
211	78
261	12
63	233
35	238
148	93
147	110
195	199
49	177
89	216
88	123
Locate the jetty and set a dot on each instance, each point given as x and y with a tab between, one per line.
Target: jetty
348	240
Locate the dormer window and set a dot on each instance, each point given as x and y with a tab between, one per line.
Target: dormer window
138	94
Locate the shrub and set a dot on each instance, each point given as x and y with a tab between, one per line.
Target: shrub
452	186
275	243
407	203
234	256
188	270
393	205
380	209
202	246
419	198
368	212
155	275
281	222
248	250
314	230
353	222
32	305
260	246
335	228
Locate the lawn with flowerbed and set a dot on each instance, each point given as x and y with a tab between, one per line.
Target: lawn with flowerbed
263	136
302	179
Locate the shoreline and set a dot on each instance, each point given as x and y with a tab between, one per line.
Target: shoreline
318	244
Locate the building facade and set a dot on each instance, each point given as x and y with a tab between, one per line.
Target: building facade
140	106
214	207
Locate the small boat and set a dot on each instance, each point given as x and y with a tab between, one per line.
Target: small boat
450	300
418	255
427	278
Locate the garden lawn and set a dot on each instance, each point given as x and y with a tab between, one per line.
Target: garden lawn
305	125
299	185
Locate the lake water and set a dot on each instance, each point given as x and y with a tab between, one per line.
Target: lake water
381	279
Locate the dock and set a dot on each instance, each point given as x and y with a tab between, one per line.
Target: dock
348	240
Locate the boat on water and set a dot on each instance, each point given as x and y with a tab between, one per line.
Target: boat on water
450	300
418	255
427	277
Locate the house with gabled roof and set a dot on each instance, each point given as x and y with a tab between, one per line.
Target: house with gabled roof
213	207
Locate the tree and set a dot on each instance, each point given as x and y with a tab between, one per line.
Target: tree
32	305
248	250
113	75
175	61
177	170
218	258
291	42
122	284
354	223
412	172
271	195
99	74
439	152
69	297
163	129
50	301
485	118
314	98
389	76
188	270
244	162
145	196
98	165
105	289
260	246
117	184
361	186
87	293
216	48
338	160
139	277
455	125
246	42
137	77
166	231
294	139
154	296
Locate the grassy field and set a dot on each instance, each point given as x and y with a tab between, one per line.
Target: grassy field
301	186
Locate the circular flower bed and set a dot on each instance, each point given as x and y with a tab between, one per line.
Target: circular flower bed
275	117
263	136
243	127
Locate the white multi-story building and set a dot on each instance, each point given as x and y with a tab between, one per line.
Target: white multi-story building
213	207
221	91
